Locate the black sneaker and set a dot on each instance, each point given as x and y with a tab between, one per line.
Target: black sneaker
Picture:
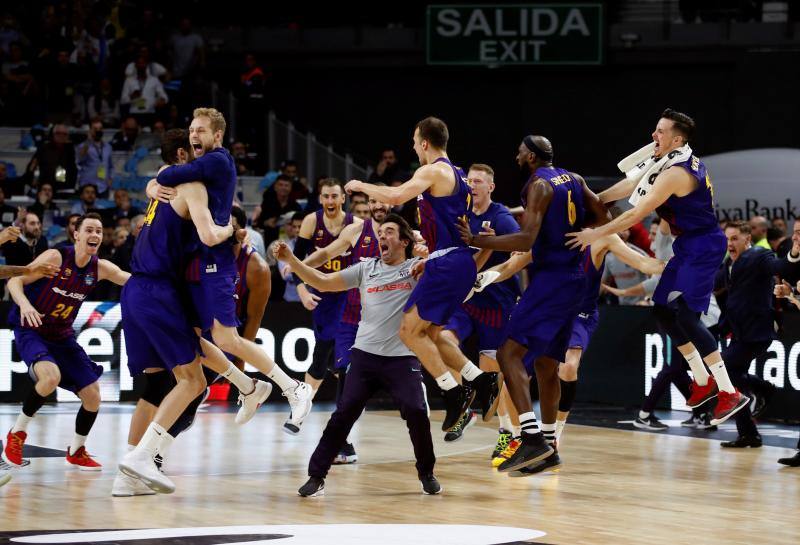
503	439
456	401
551	463
461	426
743	442
347	455
792	461
690	422
430	485
651	423
532	449
315	486
704	422
487	387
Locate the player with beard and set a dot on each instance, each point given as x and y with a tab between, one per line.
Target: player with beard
556	201
319	230
443	196
214	296
683	196
46	307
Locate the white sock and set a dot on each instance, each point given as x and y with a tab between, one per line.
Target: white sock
151	439
644	415
164	444
22	423
505	422
721	376
528	423
698	368
446	382
77	442
240	380
280	378
515	431
549	431
470	371
560	427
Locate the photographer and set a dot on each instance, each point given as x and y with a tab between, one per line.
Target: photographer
94	160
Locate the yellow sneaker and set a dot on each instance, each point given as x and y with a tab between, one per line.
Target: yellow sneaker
508	452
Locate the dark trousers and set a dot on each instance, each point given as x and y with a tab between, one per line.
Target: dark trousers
402	378
675	372
737	357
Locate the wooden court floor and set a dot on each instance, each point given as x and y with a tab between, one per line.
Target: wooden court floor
617	487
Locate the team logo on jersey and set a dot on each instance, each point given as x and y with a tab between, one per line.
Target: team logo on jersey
89	279
65	293
67	273
366	242
211	268
319	232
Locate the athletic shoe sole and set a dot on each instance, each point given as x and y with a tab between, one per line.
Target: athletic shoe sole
344	460
10	463
157	486
552	469
526	463
290	429
493	409
703	401
317	494
82	468
739	406
441	489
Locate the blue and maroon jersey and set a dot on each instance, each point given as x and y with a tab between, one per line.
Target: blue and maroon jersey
242	289
164	242
437	216
322	238
504	293
593	278
565	214
60	298
217	170
366	247
693	213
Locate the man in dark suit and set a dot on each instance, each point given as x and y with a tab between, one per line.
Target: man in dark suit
748	276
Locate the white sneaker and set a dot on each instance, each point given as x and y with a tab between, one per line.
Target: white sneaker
299	399
140	465
252	401
125	486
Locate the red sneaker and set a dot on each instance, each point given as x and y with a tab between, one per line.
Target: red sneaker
701	394
82	459
12	453
728	405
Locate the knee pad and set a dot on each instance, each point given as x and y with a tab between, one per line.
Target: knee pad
157	386
319	360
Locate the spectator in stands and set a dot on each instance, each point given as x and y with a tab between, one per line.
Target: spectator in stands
388	170
104	104
11	186
153	68
125	138
143	94
44	207
360	210
276	202
358	198
136	225
124	207
72	224
292	229
29	245
313	204
9	33
106	249
123	244
94	160
244	165
188	52
780	225
758	231
8	214
55	161
775	238
151	139
16	72
95	45
87	202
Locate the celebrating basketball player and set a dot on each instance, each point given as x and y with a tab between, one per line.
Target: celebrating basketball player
555	201
450	270
682	195
46	307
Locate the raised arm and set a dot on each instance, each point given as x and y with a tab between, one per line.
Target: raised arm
109	271
43	269
423	179
196	198
620	190
190	172
312	277
785	267
512	265
540	194
346	240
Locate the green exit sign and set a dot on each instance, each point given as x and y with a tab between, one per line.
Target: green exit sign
495	35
